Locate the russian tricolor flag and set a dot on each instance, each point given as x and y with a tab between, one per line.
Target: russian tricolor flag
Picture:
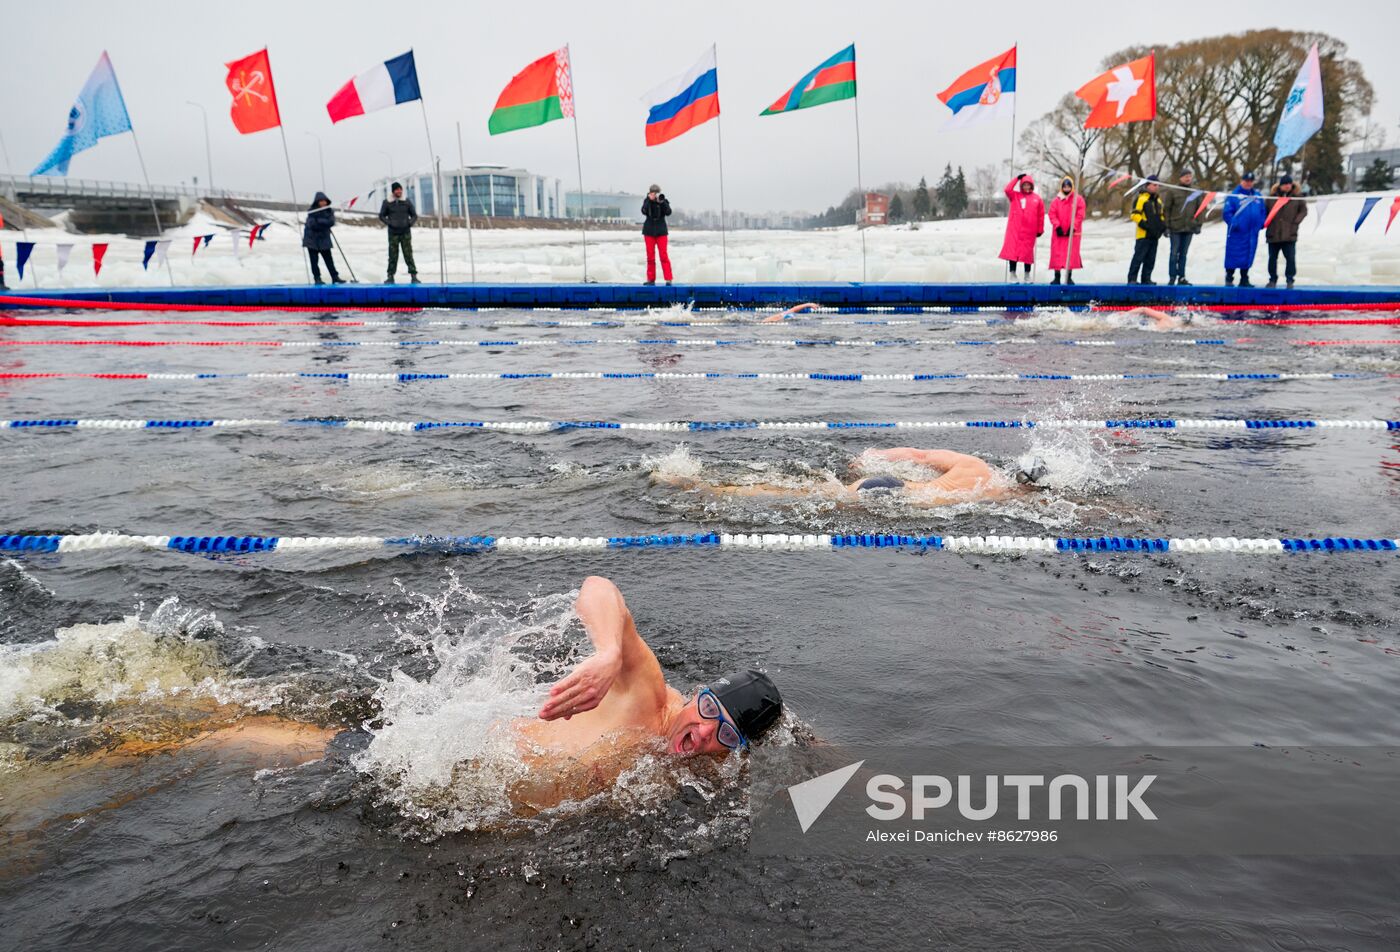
685	102
388	84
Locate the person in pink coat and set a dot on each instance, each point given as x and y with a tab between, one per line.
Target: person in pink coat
1025	222
1067	220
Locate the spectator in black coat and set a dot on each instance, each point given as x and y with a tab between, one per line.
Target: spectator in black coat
400	216
316	237
655	208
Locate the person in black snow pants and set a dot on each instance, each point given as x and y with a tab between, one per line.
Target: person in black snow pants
316	238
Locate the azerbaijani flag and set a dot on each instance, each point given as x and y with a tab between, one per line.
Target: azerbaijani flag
685	102
390	83
987	91
832	80
539	93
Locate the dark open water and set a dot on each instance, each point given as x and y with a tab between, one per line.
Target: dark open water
109	844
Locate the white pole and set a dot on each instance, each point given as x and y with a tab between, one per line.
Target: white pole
860	188
296	208
154	210
719	141
432	160
442	250
466	201
578	160
208	149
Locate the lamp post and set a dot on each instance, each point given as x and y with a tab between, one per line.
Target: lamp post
320	155
208	151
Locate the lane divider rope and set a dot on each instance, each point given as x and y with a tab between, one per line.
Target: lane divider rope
659	341
988	545
530	377
799	293
696	426
941	322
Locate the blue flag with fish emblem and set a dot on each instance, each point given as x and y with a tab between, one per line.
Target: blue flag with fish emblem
98	111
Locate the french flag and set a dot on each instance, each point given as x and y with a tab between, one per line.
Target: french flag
388	84
685	102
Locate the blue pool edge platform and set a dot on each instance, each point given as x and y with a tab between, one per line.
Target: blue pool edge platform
853	295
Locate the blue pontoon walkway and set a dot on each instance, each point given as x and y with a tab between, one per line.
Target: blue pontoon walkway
855	296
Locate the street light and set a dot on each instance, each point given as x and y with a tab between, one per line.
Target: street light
208	151
321	154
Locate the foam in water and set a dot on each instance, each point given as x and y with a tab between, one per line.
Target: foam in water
110	662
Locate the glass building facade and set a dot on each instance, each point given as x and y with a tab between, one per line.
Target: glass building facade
483	191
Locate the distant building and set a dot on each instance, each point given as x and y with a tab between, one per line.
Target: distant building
484	190
1359	162
606	206
876	210
741	220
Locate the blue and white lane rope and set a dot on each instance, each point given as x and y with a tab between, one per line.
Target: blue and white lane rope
695	426
645	341
111	541
529	377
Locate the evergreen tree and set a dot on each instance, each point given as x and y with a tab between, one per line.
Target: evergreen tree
1378	176
952	192
923	207
896	208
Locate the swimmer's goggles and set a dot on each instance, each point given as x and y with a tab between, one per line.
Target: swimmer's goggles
707	703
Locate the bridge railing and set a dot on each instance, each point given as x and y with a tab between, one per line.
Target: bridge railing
64	187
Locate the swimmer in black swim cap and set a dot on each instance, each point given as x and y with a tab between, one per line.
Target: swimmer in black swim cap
619	694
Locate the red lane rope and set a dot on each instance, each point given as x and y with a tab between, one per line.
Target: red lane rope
21	302
43	322
141	343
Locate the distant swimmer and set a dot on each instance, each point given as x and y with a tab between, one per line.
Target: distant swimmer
1160	319
790	312
961	478
616	707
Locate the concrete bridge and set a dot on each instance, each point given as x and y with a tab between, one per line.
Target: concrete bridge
117	207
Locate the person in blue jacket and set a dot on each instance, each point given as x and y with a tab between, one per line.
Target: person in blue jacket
1244	215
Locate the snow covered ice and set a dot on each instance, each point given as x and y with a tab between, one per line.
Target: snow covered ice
937	252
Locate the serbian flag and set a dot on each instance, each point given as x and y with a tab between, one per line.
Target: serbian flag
685	102
390	83
833	80
539	93
254	105
1126	93
987	91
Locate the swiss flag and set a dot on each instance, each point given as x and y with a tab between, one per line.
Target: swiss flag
254	99
1126	93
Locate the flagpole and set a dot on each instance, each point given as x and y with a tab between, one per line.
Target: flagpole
432	159
154	210
23	225
578	160
1011	172
719	140
466	202
296	207
860	187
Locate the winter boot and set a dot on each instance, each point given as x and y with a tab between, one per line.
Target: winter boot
413	279
1229	279
389	279
1069	277
1244	279
1056	278
1290	284
1273	283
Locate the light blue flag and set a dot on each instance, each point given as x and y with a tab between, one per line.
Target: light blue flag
98	111
1302	112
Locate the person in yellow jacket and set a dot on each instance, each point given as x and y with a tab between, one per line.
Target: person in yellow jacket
1151	223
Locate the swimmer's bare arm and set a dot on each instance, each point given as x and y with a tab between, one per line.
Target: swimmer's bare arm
622	664
784	315
934	459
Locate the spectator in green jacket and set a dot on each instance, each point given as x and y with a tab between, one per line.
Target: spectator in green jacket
1179	207
1282	233
1147	213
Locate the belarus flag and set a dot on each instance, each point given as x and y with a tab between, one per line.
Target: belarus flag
685	102
388	84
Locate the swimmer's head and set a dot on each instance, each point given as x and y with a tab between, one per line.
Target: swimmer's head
728	714
1030	469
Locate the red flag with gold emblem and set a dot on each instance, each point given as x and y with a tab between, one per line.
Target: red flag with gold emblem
254	98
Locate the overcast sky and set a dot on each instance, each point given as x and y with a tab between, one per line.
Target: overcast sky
166	53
